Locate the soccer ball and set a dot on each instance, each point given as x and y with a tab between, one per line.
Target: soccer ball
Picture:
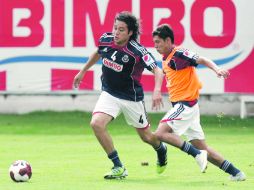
20	171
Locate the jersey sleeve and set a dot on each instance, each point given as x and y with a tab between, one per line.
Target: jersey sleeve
105	41
145	57
149	61
191	57
183	58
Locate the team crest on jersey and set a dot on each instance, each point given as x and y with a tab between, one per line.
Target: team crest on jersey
112	65
125	58
148	59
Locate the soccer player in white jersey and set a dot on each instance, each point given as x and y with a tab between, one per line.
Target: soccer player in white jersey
123	61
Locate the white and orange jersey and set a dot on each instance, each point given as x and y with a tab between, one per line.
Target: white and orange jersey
182	80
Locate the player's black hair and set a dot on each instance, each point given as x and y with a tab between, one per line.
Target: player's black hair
164	31
131	22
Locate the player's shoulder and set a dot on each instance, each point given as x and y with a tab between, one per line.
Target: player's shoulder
106	38
137	48
184	52
180	49
142	52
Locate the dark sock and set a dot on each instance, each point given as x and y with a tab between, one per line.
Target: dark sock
190	149
161	153
229	168
113	156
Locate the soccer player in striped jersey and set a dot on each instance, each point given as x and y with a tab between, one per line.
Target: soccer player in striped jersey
123	61
183	88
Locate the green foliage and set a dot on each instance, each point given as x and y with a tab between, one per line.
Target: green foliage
65	155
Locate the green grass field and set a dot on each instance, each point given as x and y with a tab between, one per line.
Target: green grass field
65	155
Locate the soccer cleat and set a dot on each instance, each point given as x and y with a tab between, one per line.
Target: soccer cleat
240	176
201	160
160	169
162	161
116	173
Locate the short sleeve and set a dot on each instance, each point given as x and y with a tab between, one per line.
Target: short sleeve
149	61
191	57
182	59
104	42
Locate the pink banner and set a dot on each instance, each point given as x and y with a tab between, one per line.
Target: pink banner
62	79
2	81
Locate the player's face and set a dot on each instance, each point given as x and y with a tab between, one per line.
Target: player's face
161	45
121	33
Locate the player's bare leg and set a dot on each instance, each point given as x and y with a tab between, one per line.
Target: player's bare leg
218	160
165	134
213	156
99	125
147	136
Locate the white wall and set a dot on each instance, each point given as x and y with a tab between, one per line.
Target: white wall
209	104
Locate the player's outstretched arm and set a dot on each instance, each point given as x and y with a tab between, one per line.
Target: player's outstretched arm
91	61
210	64
157	98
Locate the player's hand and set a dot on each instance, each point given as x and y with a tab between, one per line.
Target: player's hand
77	79
157	103
222	73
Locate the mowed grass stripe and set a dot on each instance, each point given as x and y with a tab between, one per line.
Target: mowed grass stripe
65	155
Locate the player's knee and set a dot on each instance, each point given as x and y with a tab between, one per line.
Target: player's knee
158	134
147	139
95	124
200	144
